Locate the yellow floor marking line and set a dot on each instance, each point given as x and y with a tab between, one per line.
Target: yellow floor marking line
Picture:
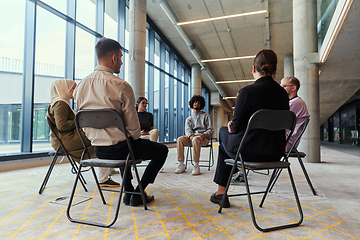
52	224
16	232
105	235
20	206
190	225
13	179
85	212
264	218
109	217
135	226
19	192
211	219
328	226
54	234
162	224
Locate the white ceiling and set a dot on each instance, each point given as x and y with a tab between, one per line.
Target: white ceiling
244	36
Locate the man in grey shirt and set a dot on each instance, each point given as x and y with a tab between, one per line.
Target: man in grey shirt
198	132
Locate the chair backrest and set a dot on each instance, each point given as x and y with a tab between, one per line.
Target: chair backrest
52	127
100	119
303	128
273	120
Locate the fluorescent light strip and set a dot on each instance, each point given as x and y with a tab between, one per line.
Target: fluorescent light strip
337	28
229	97
235	81
227	59
222	17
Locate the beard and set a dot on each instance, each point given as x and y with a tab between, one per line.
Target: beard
197	108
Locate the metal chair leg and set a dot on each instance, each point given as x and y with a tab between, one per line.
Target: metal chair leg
76	169
281	226
267	190
306	175
47	176
187	157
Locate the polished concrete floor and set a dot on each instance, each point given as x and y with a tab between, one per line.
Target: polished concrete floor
182	209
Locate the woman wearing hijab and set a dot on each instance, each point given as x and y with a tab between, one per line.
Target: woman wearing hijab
63	117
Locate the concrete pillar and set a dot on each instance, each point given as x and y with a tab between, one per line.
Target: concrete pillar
220	119
195	80
288	65
305	46
137	43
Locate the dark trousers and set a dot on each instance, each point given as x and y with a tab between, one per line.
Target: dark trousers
143	149
223	170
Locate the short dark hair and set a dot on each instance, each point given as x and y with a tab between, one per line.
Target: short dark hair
106	46
265	62
197	98
294	81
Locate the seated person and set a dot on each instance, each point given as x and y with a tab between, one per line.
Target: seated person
102	89
63	117
198	132
265	93
146	120
297	105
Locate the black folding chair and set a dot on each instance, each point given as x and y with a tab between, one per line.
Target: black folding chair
210	161
60	151
101	119
299	155
273	120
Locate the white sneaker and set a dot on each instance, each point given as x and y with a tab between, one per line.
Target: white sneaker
180	168
196	170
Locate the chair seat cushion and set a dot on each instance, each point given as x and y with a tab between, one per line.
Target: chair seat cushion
260	165
96	162
301	154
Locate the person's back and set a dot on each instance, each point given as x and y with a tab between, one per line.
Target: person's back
262	145
265	93
102	89
62	116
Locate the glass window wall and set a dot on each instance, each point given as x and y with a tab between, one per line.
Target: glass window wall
85	13
11	74
84	53
58	5
111	19
49	66
64	48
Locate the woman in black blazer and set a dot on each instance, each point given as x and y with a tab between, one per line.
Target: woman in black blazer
263	145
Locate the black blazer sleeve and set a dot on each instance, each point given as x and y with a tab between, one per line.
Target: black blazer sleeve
241	113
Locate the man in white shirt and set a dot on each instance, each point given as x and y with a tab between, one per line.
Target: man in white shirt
102	89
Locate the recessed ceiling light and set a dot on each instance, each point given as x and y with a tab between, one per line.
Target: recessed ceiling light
222	17
227	59
235	81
